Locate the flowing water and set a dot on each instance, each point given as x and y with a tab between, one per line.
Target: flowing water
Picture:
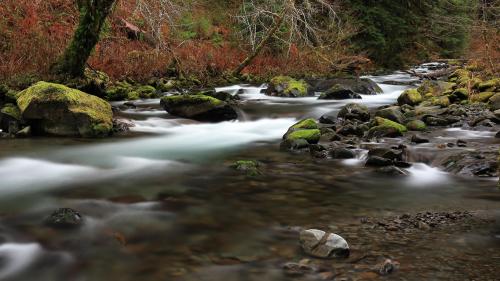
160	203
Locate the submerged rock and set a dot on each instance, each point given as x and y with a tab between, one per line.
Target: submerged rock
249	167
198	107
285	86
342	153
55	109
320	244
64	218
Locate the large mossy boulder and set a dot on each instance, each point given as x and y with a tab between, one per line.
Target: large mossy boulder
410	97
10	118
285	86
354	111
198	107
338	92
492	85
93	82
55	109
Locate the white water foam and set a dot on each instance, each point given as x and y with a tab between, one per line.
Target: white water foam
422	175
17	257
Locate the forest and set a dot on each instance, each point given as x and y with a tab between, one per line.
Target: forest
245	140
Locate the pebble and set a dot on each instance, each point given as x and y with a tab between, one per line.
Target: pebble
321	244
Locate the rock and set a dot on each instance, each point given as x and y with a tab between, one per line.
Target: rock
387	267
354	111
392	113
312	136
55	109
497	135
460	76
492	85
350	129
411	97
320	244
461	143
377	161
383	132
423	226
329	118
386	153
379	121
250	168
120	91
93	82
362	86
416	125
284	86
143	92
481	97
301	134
337	92
342	153
460	94
24	133
223	96
419	139
198	107
391	171
402	164
10	118
435	121
293	269
443	101
64	218
495	102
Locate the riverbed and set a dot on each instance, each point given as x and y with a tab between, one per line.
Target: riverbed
162	203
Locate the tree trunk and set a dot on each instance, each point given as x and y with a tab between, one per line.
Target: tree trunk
261	45
93	14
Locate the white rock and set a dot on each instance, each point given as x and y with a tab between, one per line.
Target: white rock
320	244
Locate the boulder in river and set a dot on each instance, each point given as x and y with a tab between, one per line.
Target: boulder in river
495	102
410	97
284	86
416	125
55	109
338	92
198	107
363	86
342	153
354	111
386	128
321	244
392	113
305	130
64	218
10	118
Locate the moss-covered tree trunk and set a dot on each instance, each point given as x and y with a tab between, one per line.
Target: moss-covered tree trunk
93	14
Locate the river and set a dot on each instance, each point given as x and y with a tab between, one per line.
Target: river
161	203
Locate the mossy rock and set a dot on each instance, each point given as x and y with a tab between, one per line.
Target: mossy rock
460	76
392	113
285	86
481	97
146	92
416	125
411	97
494	102
383	131
55	109
312	136
460	94
379	121
337	92
250	167
492	85
198	107
354	111
443	101
11	110
306	124
119	91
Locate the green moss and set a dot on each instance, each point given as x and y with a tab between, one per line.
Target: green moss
416	125
291	85
191	99
146	92
306	124
98	110
388	123
119	91
310	135
461	93
133	95
490	85
460	76
482	97
443	101
12	110
410	97
249	166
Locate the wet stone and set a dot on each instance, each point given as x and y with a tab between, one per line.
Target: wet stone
419	139
64	218
320	244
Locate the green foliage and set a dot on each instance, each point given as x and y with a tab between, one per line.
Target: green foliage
395	32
